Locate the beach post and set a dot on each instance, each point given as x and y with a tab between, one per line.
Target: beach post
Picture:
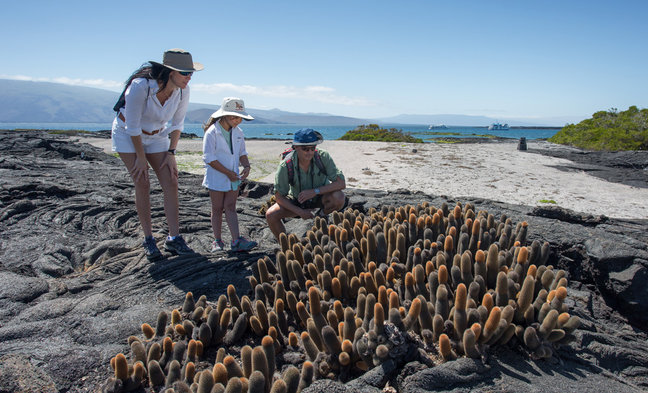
522	145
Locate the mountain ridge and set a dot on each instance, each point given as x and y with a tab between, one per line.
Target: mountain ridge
49	102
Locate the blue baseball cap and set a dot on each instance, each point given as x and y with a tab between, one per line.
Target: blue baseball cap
307	136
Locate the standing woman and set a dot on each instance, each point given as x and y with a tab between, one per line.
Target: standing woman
155	94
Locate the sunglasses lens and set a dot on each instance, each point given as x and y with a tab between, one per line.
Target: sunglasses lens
186	73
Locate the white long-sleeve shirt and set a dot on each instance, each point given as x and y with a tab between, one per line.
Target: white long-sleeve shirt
148	114
216	148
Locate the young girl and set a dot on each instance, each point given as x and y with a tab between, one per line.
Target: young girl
223	151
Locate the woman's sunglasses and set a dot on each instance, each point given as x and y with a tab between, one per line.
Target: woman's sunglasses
186	73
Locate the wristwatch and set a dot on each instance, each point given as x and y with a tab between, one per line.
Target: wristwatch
172	151
317	191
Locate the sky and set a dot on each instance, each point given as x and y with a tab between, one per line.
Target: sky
545	61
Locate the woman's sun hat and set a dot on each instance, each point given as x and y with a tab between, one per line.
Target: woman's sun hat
179	60
307	136
232	106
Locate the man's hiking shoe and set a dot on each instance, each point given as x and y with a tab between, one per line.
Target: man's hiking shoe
217	245
152	251
177	246
242	244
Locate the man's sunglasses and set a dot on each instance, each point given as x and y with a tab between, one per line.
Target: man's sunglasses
307	148
186	73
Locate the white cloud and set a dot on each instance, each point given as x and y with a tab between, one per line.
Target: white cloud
314	93
321	94
98	83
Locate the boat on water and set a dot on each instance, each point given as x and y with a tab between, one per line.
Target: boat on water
498	126
438	127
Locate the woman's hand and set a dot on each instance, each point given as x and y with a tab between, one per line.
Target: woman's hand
245	173
139	169
170	163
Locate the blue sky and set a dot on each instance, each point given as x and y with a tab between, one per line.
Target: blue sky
553	61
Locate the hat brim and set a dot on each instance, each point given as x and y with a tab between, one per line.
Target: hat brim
319	139
221	113
317	142
196	67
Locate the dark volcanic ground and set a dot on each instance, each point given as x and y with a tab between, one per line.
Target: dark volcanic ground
74	282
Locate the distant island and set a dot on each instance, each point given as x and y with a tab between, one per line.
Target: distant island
608	130
374	133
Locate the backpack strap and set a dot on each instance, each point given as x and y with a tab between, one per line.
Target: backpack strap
121	102
290	165
318	162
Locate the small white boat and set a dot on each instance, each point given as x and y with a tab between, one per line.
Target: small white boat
498	126
438	127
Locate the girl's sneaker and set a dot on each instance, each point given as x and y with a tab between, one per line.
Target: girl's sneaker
217	245
242	244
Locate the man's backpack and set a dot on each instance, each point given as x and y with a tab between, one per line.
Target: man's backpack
287	156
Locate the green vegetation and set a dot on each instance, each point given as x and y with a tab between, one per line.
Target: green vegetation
443	140
608	130
374	133
547	201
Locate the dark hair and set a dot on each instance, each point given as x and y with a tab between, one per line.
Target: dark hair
149	71
210	122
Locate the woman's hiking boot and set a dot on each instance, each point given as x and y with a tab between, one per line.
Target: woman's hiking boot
243	244
217	245
152	251
177	246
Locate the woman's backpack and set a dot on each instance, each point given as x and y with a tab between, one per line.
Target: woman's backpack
143	72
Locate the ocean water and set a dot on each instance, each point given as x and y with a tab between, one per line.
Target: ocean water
285	131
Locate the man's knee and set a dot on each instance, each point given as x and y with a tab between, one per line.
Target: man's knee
333	201
272	213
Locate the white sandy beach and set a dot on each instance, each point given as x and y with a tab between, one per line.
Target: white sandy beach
496	171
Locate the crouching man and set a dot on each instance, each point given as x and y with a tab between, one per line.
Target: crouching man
306	179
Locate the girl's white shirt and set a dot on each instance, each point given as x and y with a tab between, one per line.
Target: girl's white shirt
216	148
146	113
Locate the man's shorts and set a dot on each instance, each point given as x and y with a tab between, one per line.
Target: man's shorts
314	203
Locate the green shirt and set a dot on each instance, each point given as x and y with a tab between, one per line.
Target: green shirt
308	180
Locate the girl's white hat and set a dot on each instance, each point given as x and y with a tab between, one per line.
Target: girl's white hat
232	106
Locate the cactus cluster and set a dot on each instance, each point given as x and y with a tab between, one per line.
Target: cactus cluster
401	283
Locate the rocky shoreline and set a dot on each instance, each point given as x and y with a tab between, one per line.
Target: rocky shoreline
74	283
